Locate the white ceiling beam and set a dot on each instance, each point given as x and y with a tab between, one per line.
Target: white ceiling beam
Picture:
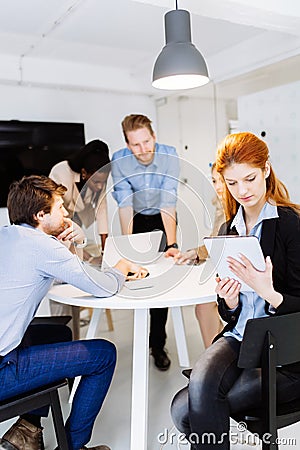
280	15
252	54
69	75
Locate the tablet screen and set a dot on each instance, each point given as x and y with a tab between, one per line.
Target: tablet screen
220	247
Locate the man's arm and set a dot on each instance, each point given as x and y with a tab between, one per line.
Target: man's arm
168	216
126	219
169	197
122	193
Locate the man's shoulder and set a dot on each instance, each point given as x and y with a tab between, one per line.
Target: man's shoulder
19	236
61	166
166	149
26	232
121	153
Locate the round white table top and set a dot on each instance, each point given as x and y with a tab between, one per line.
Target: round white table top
167	285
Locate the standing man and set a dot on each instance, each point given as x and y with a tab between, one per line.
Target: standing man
30	259
145	176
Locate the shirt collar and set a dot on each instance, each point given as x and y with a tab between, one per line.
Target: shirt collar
26	225
154	162
268	211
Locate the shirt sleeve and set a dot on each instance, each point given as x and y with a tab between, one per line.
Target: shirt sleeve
101	215
56	261
61	175
122	189
289	284
170	180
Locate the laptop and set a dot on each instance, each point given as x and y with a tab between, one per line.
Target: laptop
140	248
144	250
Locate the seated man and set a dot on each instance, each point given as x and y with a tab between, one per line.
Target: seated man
31	258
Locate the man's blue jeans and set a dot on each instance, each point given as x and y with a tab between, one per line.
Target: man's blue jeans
25	369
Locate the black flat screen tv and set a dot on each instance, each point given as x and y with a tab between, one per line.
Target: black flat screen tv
28	148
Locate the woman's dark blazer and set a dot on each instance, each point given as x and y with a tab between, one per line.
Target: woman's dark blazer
280	239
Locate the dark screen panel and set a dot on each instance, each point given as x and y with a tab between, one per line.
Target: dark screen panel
28	148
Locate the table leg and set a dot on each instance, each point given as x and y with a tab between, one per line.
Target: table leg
91	333
140	370
179	332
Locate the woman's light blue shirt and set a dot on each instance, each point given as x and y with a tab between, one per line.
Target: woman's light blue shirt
253	306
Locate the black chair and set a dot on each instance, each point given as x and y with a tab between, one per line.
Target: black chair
31	400
47	330
270	342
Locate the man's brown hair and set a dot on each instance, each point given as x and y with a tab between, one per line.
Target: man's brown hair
135	122
30	195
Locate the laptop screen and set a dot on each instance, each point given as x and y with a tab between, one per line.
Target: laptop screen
140	248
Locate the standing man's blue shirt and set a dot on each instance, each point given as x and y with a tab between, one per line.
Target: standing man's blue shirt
147	188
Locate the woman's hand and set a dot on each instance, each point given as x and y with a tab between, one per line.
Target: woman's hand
72	233
260	281
229	290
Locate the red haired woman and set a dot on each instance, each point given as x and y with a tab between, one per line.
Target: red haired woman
256	203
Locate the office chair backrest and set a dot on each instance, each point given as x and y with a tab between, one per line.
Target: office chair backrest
284	329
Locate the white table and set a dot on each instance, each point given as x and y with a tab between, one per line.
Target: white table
178	288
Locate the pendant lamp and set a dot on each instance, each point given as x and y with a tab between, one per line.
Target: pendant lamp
179	65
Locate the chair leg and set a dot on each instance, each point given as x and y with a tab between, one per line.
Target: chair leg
58	422
270	441
76	322
109	320
269	446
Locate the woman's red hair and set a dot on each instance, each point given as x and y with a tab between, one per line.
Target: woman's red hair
246	148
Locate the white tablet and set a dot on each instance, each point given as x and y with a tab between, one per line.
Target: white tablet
220	247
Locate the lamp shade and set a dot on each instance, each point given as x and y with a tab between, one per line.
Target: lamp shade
179	65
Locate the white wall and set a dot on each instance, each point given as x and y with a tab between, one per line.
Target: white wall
101	112
4	220
277	112
194	126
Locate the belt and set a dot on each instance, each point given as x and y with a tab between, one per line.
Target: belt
147	216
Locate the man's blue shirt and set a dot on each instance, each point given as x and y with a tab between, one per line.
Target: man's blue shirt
147	188
30	260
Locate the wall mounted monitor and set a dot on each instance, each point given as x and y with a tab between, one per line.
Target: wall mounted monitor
28	148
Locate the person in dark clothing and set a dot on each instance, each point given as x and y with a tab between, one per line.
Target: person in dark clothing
256	204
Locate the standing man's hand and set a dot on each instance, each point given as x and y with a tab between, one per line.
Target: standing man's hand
172	253
168	216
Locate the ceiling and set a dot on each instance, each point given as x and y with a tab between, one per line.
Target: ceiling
112	45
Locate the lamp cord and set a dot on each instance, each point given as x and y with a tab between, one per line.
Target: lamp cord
176	3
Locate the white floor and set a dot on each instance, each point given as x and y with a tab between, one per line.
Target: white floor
113	424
